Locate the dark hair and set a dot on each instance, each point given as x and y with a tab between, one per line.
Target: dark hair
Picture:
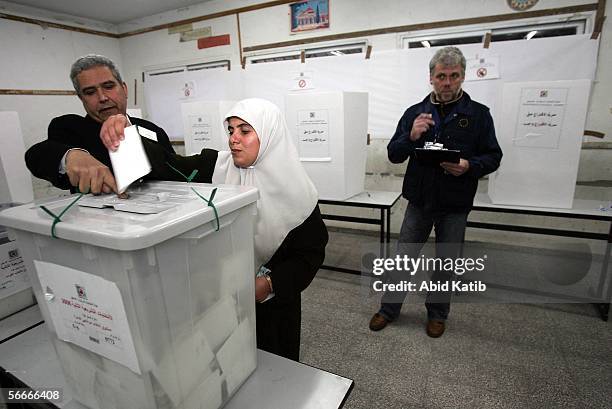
89	61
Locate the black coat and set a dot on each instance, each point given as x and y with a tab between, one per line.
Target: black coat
75	131
469	128
293	266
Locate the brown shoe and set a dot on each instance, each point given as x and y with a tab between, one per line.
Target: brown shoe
435	328
378	322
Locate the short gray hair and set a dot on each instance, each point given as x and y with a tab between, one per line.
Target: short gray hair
89	61
447	56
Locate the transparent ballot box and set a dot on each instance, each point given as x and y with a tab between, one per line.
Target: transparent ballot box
150	301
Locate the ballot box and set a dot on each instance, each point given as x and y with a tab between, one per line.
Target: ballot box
150	300
203	125
329	130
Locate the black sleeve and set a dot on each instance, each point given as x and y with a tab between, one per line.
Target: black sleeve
400	146
43	159
299	257
170	166
164	140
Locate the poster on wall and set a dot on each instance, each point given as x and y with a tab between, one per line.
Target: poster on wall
482	68
309	15
188	90
313	135
302	81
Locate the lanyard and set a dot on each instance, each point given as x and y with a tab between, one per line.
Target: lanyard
437	128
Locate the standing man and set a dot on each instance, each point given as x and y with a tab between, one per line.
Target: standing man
73	155
439	196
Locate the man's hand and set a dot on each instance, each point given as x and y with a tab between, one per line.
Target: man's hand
456	169
421	124
262	289
88	173
112	131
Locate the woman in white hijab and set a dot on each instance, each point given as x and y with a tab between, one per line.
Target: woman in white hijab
290	236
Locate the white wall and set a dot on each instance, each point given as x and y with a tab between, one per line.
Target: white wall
40	58
271	25
33	58
159	49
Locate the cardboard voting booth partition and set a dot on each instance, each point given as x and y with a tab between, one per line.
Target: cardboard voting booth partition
329	130
152	307
15	181
540	133
15	187
203	125
15	288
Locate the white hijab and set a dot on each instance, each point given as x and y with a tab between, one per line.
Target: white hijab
287	196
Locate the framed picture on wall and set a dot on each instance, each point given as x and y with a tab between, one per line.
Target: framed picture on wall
309	15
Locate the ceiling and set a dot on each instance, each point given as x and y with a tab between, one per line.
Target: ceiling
109	11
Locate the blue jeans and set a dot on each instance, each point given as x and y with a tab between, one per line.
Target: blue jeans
416	227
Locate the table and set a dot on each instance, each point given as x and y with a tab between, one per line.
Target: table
371	199
277	383
21	321
581	209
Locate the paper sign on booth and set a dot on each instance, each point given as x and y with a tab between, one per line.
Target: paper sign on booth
313	135
200	131
13	272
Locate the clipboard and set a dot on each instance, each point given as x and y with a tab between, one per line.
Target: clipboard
435	156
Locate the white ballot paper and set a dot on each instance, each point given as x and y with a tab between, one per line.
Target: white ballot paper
130	161
137	202
88	311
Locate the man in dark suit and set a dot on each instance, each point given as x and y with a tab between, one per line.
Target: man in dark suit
73	154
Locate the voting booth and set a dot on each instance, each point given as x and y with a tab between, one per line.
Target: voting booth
329	130
15	289
152	307
203	125
15	187
540	133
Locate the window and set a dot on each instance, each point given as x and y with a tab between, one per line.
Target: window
313	52
527	32
189	67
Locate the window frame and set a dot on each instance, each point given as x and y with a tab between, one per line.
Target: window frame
583	23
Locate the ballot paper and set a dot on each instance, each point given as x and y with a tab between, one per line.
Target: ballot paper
130	161
143	203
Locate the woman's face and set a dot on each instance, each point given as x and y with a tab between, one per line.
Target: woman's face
243	142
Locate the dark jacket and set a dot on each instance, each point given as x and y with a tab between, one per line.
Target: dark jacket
75	131
170	166
293	266
468	128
